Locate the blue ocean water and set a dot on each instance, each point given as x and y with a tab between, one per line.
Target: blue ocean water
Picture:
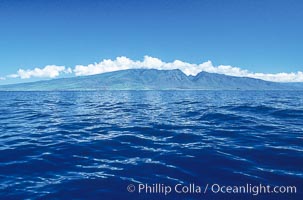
92	145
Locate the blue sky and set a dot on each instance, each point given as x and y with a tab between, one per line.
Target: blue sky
264	36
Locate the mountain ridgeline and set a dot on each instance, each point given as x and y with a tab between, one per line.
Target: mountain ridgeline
150	79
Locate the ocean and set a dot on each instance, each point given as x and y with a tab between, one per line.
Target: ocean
151	145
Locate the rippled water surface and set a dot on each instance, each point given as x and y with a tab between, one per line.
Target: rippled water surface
91	145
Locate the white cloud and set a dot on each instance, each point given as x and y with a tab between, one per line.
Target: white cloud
49	71
121	63
2	78
279	77
106	65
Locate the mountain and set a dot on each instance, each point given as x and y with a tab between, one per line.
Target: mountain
215	81
150	79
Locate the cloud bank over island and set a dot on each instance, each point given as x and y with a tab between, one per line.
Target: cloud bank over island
148	62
